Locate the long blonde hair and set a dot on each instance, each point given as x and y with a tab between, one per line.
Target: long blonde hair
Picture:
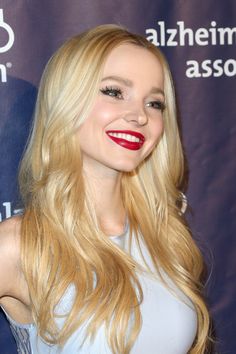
62	243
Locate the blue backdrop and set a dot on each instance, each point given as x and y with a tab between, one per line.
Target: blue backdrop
198	38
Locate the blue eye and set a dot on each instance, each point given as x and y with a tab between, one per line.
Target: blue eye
112	92
159	105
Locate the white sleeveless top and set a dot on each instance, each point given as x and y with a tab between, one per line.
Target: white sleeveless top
169	321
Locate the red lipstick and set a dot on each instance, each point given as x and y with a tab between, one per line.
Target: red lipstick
128	139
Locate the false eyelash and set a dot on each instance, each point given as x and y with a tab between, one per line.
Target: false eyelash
110	89
161	105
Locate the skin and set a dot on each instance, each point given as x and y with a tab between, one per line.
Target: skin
130	98
14	295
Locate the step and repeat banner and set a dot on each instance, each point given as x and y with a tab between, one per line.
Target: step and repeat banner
198	38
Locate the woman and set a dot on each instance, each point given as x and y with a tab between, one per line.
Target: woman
101	261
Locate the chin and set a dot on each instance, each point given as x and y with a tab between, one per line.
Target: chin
126	167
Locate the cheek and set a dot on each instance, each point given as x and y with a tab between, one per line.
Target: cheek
94	126
93	123
157	130
103	113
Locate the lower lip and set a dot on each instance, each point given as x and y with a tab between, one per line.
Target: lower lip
130	145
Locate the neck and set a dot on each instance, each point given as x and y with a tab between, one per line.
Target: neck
105	189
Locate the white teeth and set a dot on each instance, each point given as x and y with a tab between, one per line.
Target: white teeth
133	138
128	137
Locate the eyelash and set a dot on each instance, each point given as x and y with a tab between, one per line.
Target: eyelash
159	105
112	92
117	93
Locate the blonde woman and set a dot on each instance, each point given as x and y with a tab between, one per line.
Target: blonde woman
101	260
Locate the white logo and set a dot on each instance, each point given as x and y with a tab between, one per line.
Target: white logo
184	36
5	46
6	27
6	211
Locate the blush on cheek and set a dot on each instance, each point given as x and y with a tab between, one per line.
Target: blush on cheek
156	140
159	132
104	112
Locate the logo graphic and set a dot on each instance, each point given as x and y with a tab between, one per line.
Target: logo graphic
182	36
6	211
5	47
6	27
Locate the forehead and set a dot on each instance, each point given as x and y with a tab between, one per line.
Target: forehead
134	62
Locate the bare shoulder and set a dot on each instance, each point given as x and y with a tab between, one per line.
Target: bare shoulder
11	224
10	237
9	254
14	295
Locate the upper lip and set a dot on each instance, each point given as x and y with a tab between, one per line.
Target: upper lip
131	132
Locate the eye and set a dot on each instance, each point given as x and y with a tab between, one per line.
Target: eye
159	105
112	92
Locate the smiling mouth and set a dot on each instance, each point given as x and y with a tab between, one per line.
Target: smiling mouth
128	139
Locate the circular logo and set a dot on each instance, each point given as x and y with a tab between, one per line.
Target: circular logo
6	27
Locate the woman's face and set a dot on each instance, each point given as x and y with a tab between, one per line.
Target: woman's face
126	120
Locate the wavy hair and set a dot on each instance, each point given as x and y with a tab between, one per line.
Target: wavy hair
61	241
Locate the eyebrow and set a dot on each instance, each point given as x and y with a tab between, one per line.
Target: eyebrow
129	83
122	80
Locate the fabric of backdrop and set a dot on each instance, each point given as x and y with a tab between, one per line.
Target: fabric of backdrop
198	37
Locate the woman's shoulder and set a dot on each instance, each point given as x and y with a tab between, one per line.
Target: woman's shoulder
9	253
10	235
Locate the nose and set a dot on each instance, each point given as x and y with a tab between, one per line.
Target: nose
136	114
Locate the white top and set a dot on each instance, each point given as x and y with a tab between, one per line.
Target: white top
169	321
